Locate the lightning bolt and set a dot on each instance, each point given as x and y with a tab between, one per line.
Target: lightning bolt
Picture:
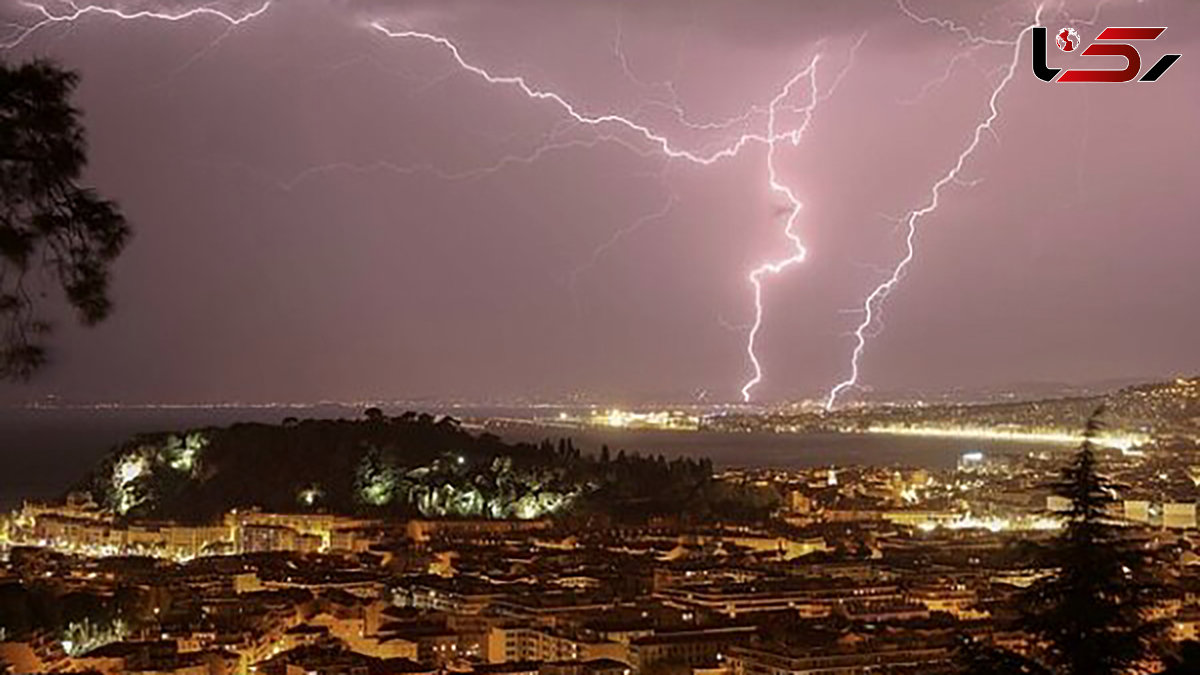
616	236
872	305
462	175
968	36
662	142
674	106
800	252
77	12
941	79
771	138
776	267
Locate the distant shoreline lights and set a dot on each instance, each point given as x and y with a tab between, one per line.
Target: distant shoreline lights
1125	442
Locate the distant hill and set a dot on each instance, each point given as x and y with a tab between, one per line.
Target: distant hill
1160	409
1163	410
411	464
1030	390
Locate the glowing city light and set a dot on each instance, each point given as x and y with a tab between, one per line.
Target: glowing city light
1126	442
656	419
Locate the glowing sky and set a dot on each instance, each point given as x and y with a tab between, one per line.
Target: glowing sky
322	212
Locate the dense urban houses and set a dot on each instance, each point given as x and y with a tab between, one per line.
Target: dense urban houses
855	569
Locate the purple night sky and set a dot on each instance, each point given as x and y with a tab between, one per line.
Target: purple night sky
315	216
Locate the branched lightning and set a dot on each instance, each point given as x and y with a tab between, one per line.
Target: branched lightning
941	79
674	106
795	135
871	306
665	210
605	124
771	138
967	34
76	12
644	140
800	252
466	174
656	139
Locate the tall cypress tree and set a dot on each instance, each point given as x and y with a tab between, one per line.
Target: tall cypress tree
975	658
1091	613
1185	660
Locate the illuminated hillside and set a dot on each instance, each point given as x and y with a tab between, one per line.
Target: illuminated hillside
413	464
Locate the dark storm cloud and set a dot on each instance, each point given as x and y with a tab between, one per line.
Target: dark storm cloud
297	237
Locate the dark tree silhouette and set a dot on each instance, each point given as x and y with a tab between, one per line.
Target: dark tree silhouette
1092	612
973	658
1186	661
49	224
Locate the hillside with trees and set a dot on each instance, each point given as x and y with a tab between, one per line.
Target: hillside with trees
408	465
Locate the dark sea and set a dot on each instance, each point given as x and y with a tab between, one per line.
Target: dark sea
45	450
